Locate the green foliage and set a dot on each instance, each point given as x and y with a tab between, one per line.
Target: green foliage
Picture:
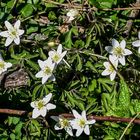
79	84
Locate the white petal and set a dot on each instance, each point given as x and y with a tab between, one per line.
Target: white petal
17	40
115	43
51	53
63	54
139	50
123	44
8	65
86	130
56	127
50	106
91	121
56	118
76	114
35	113
41	64
44	79
43	111
49	63
136	43
20	32
79	132
106	72
71	18
47	98
113	59
4	34
39	74
109	49
84	114
52	65
17	24
8	25
59	49
69	130
106	64
112	76
52	78
33	104
8	41
122	60
127	52
139	34
74	124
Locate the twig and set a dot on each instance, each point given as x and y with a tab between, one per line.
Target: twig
12	112
80	7
67	115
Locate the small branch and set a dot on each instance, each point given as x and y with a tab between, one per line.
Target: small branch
12	112
67	115
82	8
107	118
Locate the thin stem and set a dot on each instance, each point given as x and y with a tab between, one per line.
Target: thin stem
128	126
67	63
40	13
96	55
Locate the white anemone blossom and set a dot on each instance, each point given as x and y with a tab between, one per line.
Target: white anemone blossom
118	49
72	13
13	33
111	67
46	71
42	106
62	123
57	56
4	65
80	123
137	42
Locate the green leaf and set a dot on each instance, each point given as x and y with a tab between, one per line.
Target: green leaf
27	10
12	136
124	95
33	65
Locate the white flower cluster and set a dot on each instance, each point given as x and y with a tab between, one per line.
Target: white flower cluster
79	123
117	55
47	66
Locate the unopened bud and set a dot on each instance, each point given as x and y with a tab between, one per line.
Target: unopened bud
51	44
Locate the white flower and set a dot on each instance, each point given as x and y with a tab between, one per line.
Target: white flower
63	123
118	49
57	56
46	72
13	33
4	65
137	42
80	123
109	68
42	106
72	14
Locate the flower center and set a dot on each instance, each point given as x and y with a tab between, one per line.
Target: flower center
13	33
118	51
111	69
47	70
1	65
64	123
40	104
82	123
56	57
